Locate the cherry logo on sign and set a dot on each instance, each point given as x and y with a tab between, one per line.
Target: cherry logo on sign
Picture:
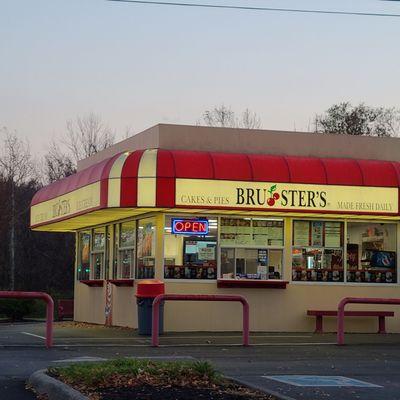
274	195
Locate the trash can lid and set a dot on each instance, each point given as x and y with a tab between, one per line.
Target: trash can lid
150	288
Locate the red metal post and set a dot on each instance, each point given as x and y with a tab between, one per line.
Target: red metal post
340	322
357	300
318	324
199	297
382	324
49	308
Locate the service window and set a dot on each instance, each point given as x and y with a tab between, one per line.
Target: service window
251	248
146	248
98	254
84	240
371	252
190	248
125	238
317	251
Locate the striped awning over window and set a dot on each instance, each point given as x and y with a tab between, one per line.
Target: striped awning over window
136	182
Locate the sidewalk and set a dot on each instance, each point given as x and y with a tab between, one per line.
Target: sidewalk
373	359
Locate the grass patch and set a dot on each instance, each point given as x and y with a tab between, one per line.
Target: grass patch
126	379
100	374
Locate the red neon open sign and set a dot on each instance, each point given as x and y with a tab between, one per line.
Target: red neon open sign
182	226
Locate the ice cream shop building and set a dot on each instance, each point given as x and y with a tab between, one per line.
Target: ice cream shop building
292	221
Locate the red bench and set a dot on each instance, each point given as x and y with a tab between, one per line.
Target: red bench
65	308
319	314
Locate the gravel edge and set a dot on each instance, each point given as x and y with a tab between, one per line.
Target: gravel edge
259	388
57	390
53	388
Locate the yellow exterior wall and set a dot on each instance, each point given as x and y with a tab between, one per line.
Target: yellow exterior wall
274	310
124	307
89	304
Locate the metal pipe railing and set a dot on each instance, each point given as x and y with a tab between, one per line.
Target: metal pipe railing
49	308
198	297
356	300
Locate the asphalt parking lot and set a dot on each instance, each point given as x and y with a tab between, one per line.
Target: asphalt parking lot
372	359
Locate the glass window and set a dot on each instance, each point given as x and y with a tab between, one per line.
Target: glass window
124	250
83	271
251	232
190	256
317	251
371	252
249	263
247	248
146	236
98	255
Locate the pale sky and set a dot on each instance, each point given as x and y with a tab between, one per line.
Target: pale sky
138	65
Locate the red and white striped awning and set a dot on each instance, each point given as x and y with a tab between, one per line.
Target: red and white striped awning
137	182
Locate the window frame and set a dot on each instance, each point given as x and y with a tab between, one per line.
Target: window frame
380	222
190	216
94	252
249	246
153	220
218	239
345	225
117	267
79	255
268	249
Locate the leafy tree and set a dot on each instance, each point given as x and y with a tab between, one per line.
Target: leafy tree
362	120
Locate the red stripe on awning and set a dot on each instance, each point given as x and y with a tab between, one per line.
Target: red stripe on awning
172	164
82	178
129	175
268	168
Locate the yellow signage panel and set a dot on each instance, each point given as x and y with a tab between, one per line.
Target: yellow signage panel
286	196
83	199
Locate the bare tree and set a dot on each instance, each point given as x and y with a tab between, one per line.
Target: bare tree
223	116
363	120
250	120
86	136
57	164
129	132
16	168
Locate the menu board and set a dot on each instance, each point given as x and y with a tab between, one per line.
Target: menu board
275	232
333	234
243	239
301	233
256	232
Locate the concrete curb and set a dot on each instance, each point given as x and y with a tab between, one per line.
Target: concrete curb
57	390
53	388
260	388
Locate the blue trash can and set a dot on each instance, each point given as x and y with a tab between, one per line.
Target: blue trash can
146	292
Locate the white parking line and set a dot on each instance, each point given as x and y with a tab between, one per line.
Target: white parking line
80	359
237	336
184	337
32	334
194	345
